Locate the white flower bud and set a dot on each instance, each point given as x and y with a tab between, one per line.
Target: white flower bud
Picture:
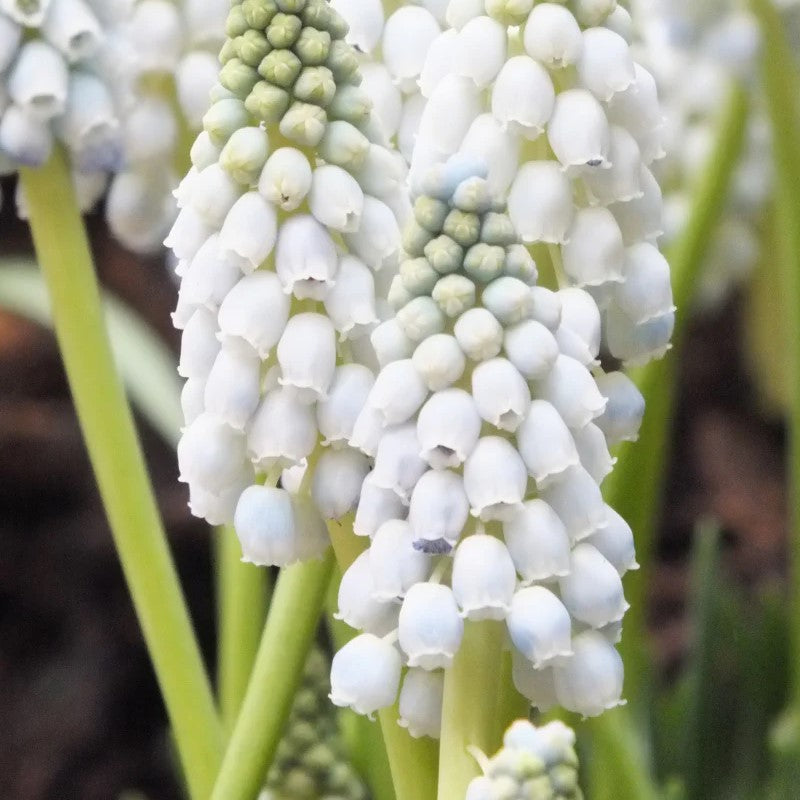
570	387
545	443
539	626
249	230
448	427
546	307
535	684
407	37
218	508
377	240
498	147
336	199
337	481
484	578
358	606
439	360
365	674
508	299
391	344
38	81
540	203
637	344
622	181
481	788
398	464
24	137
479	334
430	628
192	403
481	50
282	430
440	60
537	542
307	355
337	413
578	130
593	590
615	542
382	173
549	742
375	506
531	348
286	178
203	151
605	66
523	96
265	524
638	109
245	153
210	453
593	451
646	292
460	12
495	479
591	681
367	430
196	73
395	563
387	101
365	20
210	277
305	257
501	394
438	511
578	335
577	500
213	193
451	109
232	386
350	303
199	345
420	703
156	32
420	318
642	218
552	36
625	408
73	28
398	392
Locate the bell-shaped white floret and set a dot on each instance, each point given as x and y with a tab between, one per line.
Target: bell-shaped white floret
636	344
38	81
594	253
195	74
451	109
73	28
553	36
387	102
540	203
546	307
642	217
622	181
545	443
509	299
615	542
350	303
305	257
479	334
213	193
367	430
448	427
313	540
398	464
156	31
219	507
365	674
578	130
535	684
481	50
210	277
286	178
377	240
460	12
531	348
390	343
439	360
495	479
438	511
537	542
570	387
430	628
199	345
638	109
365	22
336	199
232	386
420	318
593	451
28	14
282	430
577	500
307	355
539	626
523	96
593	590
383	172
440	61
407	36
376	505
487	140
578	335
605	66
337	413
398	392
484	578
27	138
358	606
395	563
420	703
501	394
337	481
591	681
625	408
249	230
210	453
192	402
256	309
265	524
646	292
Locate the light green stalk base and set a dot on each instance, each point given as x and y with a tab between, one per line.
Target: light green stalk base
288	634
242	591
107	424
469	712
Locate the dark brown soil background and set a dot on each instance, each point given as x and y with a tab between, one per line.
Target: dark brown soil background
80	708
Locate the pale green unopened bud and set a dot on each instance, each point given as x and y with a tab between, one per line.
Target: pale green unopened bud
229	50
454	294
223	118
299	784
350	104
430	213
570	757
303	734
415	237
252	46
564	779
318	14
539	789
421	318
259	13
291	6
313	46
238	77
315	85
306	702
444	254
520	264
281	68
319	759
304	123
236	23
344	145
244	155
498	229
505	788
484	262
398	296
342	61
473	195
509	12
267	103
418	276
284	30
463	227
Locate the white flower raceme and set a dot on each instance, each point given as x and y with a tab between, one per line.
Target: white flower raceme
487	427
279	250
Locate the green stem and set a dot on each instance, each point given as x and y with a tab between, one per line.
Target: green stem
470	707
242	592
288	634
116	456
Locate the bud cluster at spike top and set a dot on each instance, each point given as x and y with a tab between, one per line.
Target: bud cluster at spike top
285	228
